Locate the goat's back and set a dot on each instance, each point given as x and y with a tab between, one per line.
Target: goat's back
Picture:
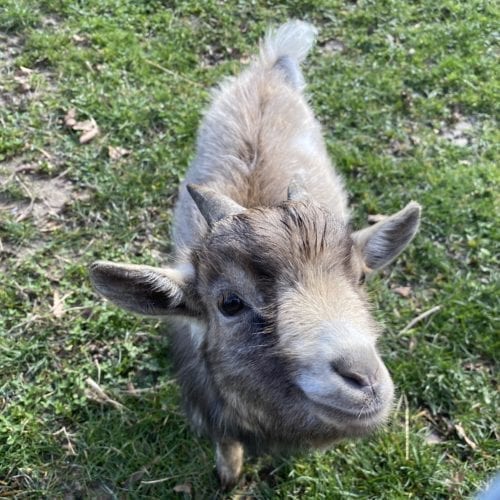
259	133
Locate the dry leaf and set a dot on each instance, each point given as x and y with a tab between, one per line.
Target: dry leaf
477	367
84	126
57	305
376	218
81	40
461	434
70	118
404	291
433	438
22	85
89	135
183	488
115	153
88	128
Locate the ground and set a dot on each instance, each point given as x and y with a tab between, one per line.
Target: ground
99	106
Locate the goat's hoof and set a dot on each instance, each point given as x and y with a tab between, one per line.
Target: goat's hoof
227	482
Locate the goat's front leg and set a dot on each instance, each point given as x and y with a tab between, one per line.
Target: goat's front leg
229	461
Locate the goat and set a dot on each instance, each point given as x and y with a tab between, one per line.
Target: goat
272	337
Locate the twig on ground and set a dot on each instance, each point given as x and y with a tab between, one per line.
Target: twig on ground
28	210
96	393
45	153
98	366
173	73
63	173
28	321
162	480
68	436
461	434
407	429
133	391
25	167
420	317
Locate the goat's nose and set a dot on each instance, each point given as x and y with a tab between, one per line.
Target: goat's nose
359	377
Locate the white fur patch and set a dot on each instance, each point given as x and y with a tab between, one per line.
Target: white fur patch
197	331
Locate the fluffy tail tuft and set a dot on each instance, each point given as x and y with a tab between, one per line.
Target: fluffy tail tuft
291	40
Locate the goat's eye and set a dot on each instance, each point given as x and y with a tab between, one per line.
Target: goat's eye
230	304
361	279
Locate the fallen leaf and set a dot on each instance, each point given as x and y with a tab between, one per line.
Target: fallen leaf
404	291
88	136
433	437
479	366
461	434
22	84
376	218
115	153
88	128
70	118
84	126
80	40
57	305
183	488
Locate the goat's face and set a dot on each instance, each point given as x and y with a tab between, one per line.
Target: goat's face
287	326
287	316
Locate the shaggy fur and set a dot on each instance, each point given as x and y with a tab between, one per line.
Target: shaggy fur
272	337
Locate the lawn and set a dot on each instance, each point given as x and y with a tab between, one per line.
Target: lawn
99	107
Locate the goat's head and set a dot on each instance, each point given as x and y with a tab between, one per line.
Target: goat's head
287	325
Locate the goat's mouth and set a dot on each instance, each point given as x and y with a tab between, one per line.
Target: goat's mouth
365	417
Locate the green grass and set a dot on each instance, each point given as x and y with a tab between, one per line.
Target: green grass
409	108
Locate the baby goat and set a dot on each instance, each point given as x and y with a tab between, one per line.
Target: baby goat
272	336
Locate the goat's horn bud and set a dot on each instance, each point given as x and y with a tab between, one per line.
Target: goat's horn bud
296	189
212	205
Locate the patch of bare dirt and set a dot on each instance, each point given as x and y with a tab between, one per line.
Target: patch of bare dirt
11	48
22	85
215	54
19	84
43	198
333	46
459	132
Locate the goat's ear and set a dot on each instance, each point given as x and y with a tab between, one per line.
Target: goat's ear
143	289
384	241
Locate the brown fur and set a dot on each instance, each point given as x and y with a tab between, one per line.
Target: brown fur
273	341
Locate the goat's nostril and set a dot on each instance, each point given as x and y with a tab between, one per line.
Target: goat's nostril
355	378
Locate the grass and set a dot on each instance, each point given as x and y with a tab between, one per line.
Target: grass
408	96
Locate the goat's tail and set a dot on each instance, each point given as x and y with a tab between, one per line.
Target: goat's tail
286	47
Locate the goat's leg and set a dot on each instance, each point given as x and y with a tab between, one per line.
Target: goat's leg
229	461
